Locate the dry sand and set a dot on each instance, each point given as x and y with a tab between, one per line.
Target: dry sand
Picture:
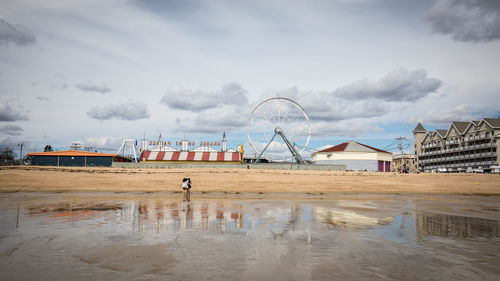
60	179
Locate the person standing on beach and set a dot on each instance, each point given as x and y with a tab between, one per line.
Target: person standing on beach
186	186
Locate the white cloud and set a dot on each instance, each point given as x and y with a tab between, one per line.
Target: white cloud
130	110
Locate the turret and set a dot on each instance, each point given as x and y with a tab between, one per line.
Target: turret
224	142
418	136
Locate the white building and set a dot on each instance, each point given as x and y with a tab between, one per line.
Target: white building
356	156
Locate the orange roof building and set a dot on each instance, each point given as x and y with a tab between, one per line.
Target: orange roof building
71	158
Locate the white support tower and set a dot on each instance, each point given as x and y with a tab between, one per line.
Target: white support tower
128	149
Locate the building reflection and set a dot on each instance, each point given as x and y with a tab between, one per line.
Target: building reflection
217	216
452	226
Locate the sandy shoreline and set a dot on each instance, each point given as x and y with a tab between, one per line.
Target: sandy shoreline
61	179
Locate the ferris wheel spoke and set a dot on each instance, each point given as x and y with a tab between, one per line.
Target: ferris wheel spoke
263	114
264	123
288	110
279	112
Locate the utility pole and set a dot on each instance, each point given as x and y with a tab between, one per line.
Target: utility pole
400	139
411	160
21	152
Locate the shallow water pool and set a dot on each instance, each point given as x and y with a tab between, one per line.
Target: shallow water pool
82	236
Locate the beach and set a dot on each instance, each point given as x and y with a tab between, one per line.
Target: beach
241	181
114	223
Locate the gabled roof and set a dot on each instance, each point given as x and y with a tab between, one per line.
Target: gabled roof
340	147
441	132
493	122
352	146
429	134
419	129
460	126
70	153
471	124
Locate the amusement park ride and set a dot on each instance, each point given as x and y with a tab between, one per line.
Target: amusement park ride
279	129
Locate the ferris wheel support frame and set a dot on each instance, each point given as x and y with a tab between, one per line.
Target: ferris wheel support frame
292	149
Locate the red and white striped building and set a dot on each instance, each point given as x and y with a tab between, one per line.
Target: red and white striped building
204	153
192	156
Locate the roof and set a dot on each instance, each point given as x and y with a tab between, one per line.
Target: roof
494	122
419	129
352	146
460	126
70	153
441	132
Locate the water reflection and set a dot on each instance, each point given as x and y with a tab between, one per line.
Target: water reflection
453	226
245	240
148	216
234	217
347	218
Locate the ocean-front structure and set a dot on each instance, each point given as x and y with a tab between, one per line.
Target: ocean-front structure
464	146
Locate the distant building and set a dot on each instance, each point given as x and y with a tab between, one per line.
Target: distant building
71	158
355	156
403	163
464	146
203	153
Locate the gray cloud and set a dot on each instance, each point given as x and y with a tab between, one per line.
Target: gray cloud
322	107
446	116
93	87
7	113
11	130
42	98
108	142
16	34
8	142
399	85
351	129
214	121
326	106
229	94
130	110
466	20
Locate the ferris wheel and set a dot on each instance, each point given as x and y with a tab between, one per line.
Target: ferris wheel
279	129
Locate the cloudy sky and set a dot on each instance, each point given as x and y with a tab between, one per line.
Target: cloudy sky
97	71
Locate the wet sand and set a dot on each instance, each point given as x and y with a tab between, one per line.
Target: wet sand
155	236
241	181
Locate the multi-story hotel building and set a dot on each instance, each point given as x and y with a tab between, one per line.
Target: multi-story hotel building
464	146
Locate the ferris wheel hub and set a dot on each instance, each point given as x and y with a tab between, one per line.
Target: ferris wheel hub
277	130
